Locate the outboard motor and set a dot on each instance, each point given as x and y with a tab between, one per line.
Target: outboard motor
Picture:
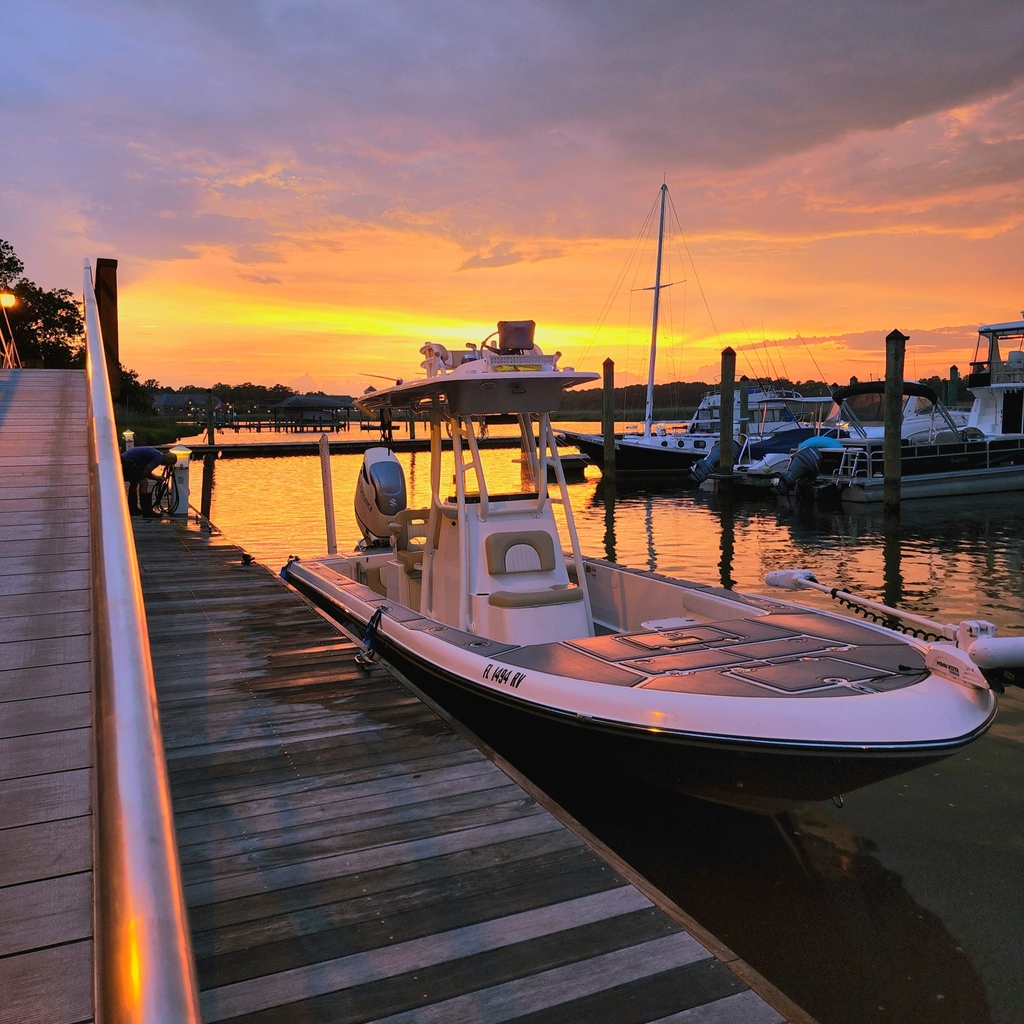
380	496
803	467
700	471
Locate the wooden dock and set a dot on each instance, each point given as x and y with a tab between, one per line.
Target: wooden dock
349	856
46	959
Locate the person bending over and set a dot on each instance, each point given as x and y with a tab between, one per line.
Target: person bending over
141	466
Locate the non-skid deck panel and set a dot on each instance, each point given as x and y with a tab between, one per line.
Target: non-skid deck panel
779	655
348	857
46	953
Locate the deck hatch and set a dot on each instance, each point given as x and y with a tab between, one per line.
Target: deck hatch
810	674
563	660
470	641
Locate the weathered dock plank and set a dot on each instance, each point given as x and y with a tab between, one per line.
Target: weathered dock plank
348	856
46	951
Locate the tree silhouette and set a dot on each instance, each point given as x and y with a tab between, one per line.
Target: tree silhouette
48	326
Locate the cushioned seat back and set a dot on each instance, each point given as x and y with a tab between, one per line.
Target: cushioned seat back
521	551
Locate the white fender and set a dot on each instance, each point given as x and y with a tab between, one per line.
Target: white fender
997	652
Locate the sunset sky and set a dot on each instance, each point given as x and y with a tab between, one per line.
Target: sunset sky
305	190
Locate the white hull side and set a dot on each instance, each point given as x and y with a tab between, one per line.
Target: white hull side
939	485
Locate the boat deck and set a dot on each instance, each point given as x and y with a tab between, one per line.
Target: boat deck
349	856
46	882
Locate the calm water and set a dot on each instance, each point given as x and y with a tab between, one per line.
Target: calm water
904	905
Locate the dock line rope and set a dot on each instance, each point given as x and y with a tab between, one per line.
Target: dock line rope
370	638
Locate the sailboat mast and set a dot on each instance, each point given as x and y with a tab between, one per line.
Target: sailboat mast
649	409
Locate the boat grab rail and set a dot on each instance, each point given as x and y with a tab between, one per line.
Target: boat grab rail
144	966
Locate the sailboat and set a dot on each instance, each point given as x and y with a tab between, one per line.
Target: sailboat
485	599
764	411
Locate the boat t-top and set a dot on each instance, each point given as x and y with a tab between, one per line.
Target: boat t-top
485	600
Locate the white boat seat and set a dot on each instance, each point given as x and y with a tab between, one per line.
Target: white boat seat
409	536
529	554
520	551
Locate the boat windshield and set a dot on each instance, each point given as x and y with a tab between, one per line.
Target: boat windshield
869	409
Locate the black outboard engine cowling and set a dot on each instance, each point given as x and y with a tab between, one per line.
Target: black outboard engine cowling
380	496
700	471
803	467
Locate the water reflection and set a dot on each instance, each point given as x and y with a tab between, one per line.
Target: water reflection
891	554
801	896
903	906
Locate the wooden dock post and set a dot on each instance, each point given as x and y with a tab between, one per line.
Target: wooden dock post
895	350
211	439
106	307
725	454
206	500
608	418
953	388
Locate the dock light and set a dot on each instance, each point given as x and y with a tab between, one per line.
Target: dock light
182	454
129	439
8	299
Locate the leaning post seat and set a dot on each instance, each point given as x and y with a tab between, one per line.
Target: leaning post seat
521	560
408	537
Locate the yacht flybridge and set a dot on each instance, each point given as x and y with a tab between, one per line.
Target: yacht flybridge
486	601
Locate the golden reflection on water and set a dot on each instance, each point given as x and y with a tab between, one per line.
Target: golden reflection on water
960	559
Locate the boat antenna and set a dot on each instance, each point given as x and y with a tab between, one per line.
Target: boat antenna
753	347
768	363
811	354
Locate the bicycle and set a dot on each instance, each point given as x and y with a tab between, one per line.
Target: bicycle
165	494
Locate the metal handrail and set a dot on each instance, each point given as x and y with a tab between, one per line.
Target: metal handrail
144	967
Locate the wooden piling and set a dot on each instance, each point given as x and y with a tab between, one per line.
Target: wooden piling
895	349
106	307
211	439
725	459
608	418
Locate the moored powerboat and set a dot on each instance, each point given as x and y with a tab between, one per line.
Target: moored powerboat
954	453
486	600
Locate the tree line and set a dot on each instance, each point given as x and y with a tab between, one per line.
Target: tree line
48	327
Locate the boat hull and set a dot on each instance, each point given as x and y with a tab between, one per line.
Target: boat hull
754	775
635	456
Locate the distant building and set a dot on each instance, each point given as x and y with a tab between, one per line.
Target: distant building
186	405
301	411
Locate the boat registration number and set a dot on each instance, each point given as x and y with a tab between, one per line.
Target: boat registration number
503	675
